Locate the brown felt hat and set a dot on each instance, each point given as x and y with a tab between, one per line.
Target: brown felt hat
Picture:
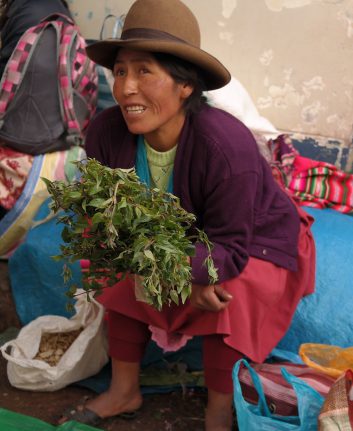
166	26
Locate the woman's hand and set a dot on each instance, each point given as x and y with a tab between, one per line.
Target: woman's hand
210	298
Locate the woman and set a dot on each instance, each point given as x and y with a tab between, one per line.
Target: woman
209	159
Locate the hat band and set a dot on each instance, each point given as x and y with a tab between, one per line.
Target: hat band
149	33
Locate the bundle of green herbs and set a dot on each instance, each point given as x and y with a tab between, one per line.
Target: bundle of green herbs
123	227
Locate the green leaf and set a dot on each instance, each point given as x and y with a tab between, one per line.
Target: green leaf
97	203
149	254
174	296
97	218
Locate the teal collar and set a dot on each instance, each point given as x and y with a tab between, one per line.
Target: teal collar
142	168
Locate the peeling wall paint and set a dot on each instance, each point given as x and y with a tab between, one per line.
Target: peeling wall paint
346	18
266	57
286	95
228	7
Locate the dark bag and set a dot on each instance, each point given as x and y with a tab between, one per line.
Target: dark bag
48	91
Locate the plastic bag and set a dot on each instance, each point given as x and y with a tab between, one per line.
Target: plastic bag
280	395
331	360
10	421
259	417
85	357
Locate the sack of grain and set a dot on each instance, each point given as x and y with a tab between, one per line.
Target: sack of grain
52	352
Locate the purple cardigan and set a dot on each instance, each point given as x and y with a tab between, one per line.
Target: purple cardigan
220	176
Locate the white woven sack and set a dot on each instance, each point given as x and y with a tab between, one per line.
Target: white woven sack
85	357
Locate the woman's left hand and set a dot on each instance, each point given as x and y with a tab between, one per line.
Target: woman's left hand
210	298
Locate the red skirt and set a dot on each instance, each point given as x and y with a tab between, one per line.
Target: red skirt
265	297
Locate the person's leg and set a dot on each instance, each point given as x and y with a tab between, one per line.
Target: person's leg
123	394
127	341
219	412
218	361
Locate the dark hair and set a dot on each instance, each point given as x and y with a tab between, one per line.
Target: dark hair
184	72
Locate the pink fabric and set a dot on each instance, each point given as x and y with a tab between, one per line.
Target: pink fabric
265	297
169	342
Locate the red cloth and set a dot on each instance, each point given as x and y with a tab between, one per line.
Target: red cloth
129	346
265	297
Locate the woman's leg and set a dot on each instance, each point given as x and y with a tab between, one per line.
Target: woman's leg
127	341
123	394
219	359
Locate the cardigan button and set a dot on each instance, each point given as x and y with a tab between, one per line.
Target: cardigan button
264	252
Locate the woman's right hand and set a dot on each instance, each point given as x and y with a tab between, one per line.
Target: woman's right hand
210	298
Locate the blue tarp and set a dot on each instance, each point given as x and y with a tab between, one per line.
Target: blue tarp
36	279
326	315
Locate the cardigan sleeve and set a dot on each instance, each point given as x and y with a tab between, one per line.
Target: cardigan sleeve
228	222
226	183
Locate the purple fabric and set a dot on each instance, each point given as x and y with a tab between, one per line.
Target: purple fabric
220	176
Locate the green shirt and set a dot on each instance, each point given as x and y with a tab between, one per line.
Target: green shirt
160	165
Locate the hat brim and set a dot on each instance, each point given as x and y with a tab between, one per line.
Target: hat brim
215	75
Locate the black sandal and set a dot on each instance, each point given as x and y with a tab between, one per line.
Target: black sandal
89	417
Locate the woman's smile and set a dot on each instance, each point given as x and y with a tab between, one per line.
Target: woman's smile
135	109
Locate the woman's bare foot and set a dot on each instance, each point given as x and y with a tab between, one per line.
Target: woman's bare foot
110	403
219	412
123	396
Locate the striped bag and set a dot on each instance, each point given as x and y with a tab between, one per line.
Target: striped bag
48	91
280	396
337	411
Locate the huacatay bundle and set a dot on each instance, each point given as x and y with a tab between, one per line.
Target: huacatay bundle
123	227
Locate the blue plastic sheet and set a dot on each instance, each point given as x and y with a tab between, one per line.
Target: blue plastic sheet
36	279
325	317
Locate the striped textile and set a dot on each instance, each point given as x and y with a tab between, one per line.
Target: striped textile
321	185
310	182
280	396
337	410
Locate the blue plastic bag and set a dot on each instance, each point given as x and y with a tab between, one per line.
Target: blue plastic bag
259	417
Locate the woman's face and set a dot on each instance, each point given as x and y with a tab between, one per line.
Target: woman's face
150	100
